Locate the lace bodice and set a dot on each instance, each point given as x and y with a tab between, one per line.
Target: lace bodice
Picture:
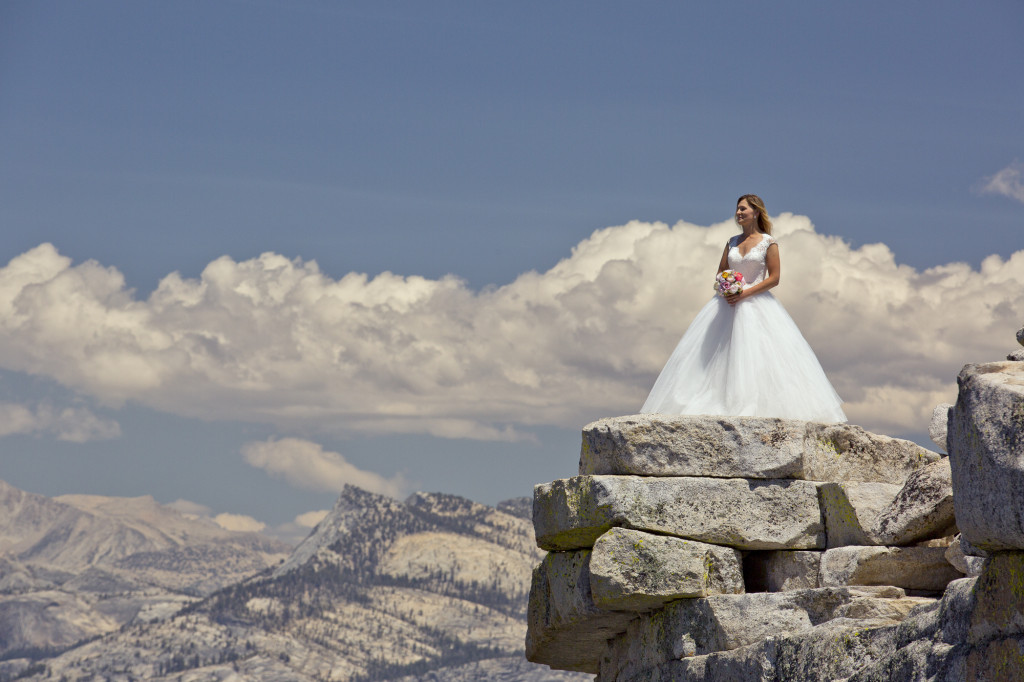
752	265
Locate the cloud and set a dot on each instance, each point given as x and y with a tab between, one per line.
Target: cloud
307	465
311	518
1009	182
75	424
233	522
15	418
275	341
293	532
190	508
239	522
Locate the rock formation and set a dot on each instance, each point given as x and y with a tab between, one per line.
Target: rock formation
745	549
1018	354
938	426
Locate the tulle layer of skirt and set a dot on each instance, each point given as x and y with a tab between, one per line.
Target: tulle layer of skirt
749	360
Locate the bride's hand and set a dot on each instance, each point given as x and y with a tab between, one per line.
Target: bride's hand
733	299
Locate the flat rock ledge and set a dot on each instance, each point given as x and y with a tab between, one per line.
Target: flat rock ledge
745	447
635	571
572	513
912	568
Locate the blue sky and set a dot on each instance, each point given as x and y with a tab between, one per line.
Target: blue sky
479	140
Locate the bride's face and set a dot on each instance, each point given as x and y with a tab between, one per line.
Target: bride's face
745	214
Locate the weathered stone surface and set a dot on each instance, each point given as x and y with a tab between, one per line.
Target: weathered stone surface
938	426
944	542
830	651
845	452
952	620
882	608
922	509
681	445
986	445
970	550
999	597
696	627
975	632
1000	660
928	645
572	513
781	570
1016	355
963	562
975	635
565	630
1020	336
925	646
850	510
635	571
745	447
912	568
917	660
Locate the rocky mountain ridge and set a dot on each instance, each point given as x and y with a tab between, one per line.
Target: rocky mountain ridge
78	566
431	588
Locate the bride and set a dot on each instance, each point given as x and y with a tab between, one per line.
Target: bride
743	355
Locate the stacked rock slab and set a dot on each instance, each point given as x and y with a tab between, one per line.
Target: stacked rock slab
684	537
798	631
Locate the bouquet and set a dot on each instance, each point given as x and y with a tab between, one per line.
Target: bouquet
728	282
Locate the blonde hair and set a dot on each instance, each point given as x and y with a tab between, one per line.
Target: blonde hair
764	223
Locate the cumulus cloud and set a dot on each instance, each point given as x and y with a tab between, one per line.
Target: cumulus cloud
307	465
274	340
190	508
311	518
234	522
239	522
15	418
75	424
1009	182
294	532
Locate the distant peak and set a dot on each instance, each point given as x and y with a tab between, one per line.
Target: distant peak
443	504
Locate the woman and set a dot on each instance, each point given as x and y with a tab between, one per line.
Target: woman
743	355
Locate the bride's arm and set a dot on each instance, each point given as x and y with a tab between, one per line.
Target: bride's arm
772	261
724	263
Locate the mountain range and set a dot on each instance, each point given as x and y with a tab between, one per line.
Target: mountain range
432	588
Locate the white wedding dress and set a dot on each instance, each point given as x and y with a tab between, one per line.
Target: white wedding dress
749	360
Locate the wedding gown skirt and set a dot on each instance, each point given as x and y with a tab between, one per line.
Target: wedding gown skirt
749	360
